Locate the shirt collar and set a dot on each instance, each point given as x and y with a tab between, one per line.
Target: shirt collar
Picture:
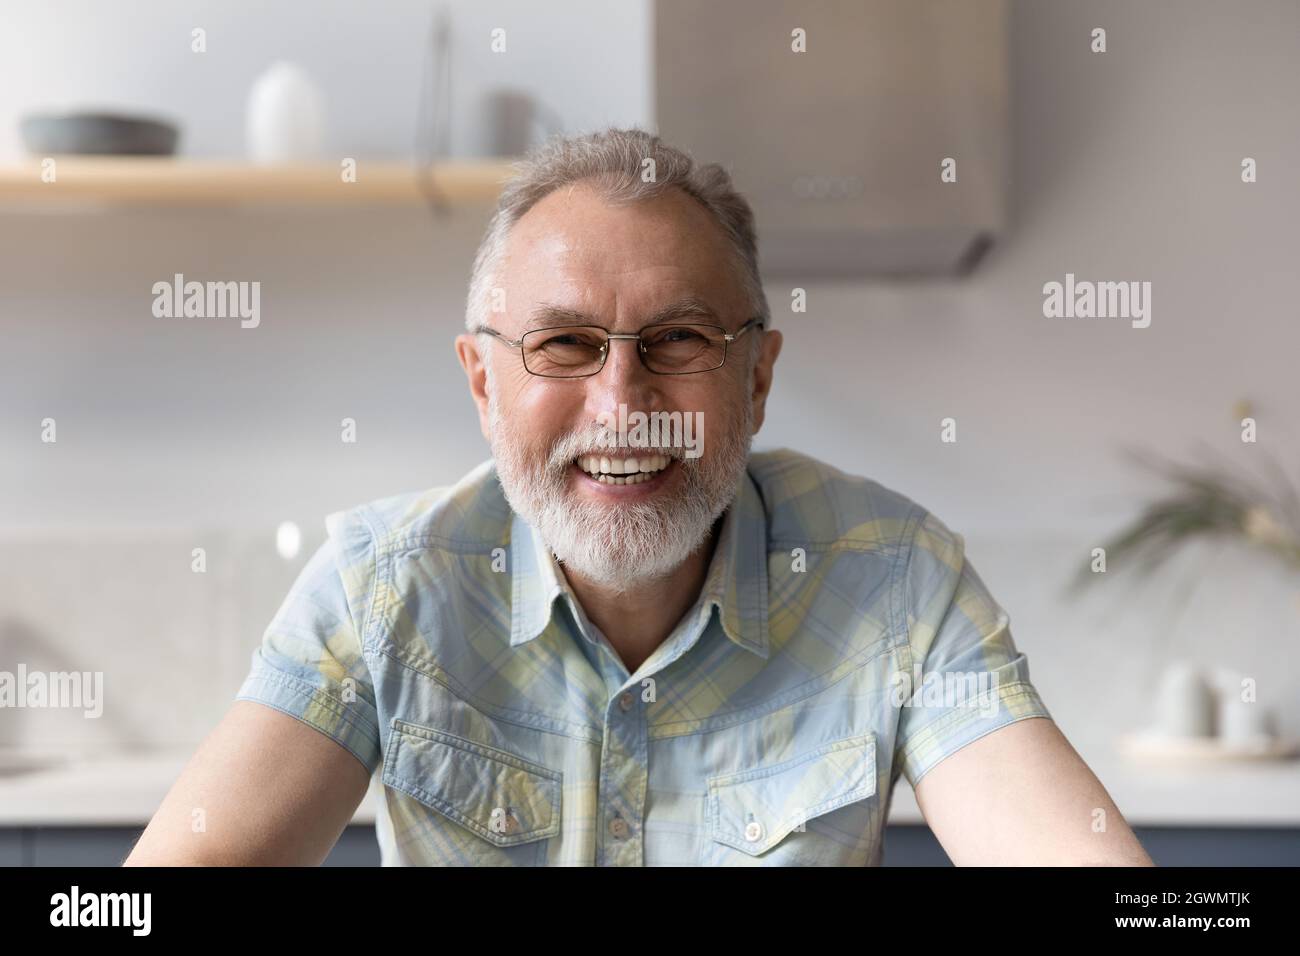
736	582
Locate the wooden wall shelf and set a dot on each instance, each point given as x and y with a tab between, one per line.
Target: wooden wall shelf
183	182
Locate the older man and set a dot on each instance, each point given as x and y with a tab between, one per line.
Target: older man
617	645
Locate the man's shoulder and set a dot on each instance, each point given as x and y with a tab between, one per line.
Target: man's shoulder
816	506
468	516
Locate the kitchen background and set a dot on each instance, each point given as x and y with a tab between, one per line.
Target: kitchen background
179	434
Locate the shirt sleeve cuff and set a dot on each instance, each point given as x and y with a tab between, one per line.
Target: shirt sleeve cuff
956	728
346	724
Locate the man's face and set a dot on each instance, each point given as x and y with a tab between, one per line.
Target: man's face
618	266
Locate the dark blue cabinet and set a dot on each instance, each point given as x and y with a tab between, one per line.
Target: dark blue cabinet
1168	846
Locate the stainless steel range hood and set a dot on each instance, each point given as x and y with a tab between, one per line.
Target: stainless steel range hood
840	147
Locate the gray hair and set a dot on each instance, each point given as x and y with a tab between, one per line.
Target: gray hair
612	161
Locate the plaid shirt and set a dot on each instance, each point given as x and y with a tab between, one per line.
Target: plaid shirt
840	639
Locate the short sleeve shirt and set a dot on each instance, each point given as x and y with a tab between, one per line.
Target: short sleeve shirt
841	639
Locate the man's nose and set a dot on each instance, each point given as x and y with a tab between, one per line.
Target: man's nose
623	381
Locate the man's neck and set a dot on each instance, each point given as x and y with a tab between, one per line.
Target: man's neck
638	620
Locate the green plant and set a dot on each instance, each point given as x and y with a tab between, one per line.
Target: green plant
1206	501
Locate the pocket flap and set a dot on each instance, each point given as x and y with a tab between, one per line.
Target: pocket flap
754	810
503	798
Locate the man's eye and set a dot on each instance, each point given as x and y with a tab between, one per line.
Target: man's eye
679	335
568	340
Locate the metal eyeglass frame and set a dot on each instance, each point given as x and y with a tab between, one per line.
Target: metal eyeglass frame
727	339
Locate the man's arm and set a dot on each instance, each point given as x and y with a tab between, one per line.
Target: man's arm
1022	796
272	790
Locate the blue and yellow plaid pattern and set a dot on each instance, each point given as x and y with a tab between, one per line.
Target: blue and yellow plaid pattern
840	639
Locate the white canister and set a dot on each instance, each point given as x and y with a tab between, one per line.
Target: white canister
1185	703
1244	722
286	116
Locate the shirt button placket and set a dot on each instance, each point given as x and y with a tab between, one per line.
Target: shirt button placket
623	782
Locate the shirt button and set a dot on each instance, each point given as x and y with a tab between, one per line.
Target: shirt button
618	828
753	831
626	700
501	821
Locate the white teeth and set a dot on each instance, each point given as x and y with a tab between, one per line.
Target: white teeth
622	471
623	479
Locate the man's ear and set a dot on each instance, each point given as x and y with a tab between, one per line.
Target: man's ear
767	353
475	371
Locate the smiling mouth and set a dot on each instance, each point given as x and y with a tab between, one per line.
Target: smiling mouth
623	470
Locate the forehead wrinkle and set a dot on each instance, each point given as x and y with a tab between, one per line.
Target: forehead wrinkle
690	307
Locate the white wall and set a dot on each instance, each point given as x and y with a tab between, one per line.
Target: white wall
368	58
1125	167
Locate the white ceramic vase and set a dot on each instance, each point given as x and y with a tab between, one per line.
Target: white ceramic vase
286	116
1185	703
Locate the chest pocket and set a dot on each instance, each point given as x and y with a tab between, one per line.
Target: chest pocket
784	813
490	806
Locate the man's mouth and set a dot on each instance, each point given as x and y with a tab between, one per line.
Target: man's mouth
623	470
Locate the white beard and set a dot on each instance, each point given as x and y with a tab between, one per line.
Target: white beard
619	545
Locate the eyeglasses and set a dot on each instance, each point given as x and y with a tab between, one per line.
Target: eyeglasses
669	348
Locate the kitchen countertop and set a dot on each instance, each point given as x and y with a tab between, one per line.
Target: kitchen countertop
126	789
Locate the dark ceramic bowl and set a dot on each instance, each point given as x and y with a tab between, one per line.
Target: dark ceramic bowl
100	134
